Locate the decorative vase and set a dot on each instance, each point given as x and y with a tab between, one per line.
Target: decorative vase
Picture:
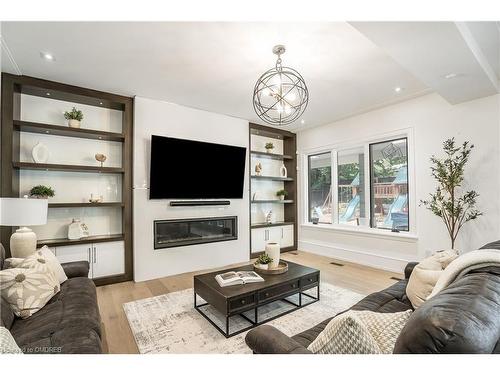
40	153
75	231
273	251
72	123
283	171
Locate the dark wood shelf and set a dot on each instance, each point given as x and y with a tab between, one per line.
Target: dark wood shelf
285	201
88	204
65	167
272	178
271	156
35	127
277	224
90	239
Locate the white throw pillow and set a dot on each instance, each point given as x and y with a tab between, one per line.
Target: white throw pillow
41	257
7	343
426	274
27	290
360	332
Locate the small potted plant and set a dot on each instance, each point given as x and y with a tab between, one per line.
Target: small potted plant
281	194
74	117
41	192
269	147
263	261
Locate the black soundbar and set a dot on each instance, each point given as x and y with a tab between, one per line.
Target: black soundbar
199	203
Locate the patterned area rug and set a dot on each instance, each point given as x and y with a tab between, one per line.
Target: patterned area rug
170	324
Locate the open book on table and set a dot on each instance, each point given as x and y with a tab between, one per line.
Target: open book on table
238	277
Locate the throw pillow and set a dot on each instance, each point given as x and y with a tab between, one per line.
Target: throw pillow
360	332
7	343
41	258
27	290
426	274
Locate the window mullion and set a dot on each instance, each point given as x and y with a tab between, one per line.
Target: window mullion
367	183
334	184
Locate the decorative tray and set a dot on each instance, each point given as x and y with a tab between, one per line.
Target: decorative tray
282	268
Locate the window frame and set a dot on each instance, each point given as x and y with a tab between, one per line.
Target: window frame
309	219
365	145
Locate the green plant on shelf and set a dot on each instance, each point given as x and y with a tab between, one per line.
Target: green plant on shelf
74	114
282	193
41	191
264	259
269	146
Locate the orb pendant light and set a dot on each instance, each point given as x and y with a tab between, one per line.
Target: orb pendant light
280	95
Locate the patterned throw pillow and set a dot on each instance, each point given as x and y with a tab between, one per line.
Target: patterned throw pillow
7	343
38	260
27	290
360	332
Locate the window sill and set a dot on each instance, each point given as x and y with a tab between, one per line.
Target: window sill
364	232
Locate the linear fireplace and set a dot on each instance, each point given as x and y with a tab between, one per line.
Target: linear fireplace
183	232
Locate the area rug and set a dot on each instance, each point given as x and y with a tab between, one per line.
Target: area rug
170	324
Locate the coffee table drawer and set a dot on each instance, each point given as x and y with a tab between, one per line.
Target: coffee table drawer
309	280
278	290
240	302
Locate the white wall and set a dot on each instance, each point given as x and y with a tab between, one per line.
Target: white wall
431	120
166	119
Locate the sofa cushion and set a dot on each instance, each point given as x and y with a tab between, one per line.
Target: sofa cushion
463	318
392	299
74	307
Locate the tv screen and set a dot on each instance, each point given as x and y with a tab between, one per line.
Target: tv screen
184	169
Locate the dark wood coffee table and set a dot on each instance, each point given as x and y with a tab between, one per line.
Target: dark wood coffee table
240	299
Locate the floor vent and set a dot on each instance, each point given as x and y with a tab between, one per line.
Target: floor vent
396	278
337	264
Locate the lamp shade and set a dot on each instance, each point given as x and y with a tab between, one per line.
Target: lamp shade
23	211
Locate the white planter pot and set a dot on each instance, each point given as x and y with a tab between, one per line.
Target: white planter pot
263	266
273	251
281	197
73	123
269	150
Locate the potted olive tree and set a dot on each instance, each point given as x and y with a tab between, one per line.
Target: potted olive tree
41	192
448	202
74	117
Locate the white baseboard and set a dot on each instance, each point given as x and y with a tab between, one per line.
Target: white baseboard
364	258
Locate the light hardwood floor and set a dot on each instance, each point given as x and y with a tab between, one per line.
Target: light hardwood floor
118	337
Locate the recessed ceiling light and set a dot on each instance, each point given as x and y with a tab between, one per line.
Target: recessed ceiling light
398	89
48	93
47	56
302	121
100	103
451	75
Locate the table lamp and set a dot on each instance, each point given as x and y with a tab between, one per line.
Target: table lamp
23	212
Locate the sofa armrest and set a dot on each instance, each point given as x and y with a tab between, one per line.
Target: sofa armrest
409	269
76	269
269	340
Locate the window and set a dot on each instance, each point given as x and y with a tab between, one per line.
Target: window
370	182
319	189
351	187
389	185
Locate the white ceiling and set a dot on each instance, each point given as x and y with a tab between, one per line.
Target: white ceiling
214	66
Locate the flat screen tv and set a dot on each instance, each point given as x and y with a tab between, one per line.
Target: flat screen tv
185	169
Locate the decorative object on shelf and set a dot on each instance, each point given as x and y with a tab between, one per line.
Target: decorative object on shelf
23	212
273	252
74	117
40	153
281	194
283	171
96	199
256	195
263	262
281	268
258	169
315	220
100	158
270	217
41	192
447	203
280	95
269	147
77	230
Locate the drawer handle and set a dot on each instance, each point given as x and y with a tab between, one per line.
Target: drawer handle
242	301
267	294
310	279
293	285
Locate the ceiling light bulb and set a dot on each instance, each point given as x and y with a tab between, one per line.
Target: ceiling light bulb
291	96
398	89
47	56
302	121
288	110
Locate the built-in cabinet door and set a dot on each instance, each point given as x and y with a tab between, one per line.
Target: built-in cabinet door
108	258
279	234
75	253
286	235
259	237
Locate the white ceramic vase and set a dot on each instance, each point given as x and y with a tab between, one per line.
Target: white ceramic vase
283	171
73	123
273	251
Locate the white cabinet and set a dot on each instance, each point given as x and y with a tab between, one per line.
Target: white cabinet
282	234
105	258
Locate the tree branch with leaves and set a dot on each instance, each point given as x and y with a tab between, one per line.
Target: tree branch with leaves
453	208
